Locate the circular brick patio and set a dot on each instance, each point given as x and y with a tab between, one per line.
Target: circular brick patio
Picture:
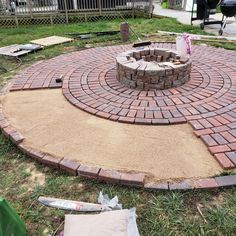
206	101
93	87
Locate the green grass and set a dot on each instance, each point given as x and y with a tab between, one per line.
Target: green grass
159	213
22	181
140	25
229	46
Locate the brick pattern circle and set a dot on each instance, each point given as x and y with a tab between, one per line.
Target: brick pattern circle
206	101
93	87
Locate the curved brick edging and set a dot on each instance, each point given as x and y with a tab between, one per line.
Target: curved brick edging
155	68
207	102
188	184
109	176
127	179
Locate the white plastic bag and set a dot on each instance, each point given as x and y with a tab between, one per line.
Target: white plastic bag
109	204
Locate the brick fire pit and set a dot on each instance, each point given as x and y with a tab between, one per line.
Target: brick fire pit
155	68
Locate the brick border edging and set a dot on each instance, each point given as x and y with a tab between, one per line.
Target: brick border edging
89	172
105	175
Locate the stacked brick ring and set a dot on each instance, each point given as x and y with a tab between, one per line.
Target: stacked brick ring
157	68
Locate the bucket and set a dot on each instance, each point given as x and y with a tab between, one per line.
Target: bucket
183	45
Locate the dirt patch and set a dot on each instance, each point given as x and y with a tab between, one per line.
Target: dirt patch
49	123
35	177
216	201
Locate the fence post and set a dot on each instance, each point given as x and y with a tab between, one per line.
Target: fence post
66	11
100	7
51	19
29	4
133	11
17	23
184	5
150	8
75	5
1	5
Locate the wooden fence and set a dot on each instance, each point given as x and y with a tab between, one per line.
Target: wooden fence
25	12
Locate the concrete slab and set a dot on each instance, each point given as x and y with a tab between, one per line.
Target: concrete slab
184	17
17	50
13	51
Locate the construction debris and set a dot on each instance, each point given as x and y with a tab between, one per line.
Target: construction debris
121	222
193	36
105	204
70	205
200	212
13	51
17	50
142	44
139	43
93	34
124	32
85	36
30	46
52	40
60	79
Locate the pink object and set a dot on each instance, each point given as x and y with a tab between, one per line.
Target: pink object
183	45
187	39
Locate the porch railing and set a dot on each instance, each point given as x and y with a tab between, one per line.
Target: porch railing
18	12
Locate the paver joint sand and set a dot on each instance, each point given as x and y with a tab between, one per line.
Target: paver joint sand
49	123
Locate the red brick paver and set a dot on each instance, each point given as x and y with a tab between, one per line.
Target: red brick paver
207	101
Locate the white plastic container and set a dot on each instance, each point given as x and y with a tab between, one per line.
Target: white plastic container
183	45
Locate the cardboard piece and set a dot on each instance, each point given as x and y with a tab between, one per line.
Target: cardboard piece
52	40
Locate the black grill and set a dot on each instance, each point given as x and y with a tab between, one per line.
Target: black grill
207	7
228	8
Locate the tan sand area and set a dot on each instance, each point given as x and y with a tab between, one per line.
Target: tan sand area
51	124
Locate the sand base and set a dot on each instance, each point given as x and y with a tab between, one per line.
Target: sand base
51	124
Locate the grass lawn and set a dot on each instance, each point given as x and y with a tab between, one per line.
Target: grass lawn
22	180
25	34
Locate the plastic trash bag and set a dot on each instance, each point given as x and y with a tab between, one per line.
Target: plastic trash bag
109	204
132	228
10	222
